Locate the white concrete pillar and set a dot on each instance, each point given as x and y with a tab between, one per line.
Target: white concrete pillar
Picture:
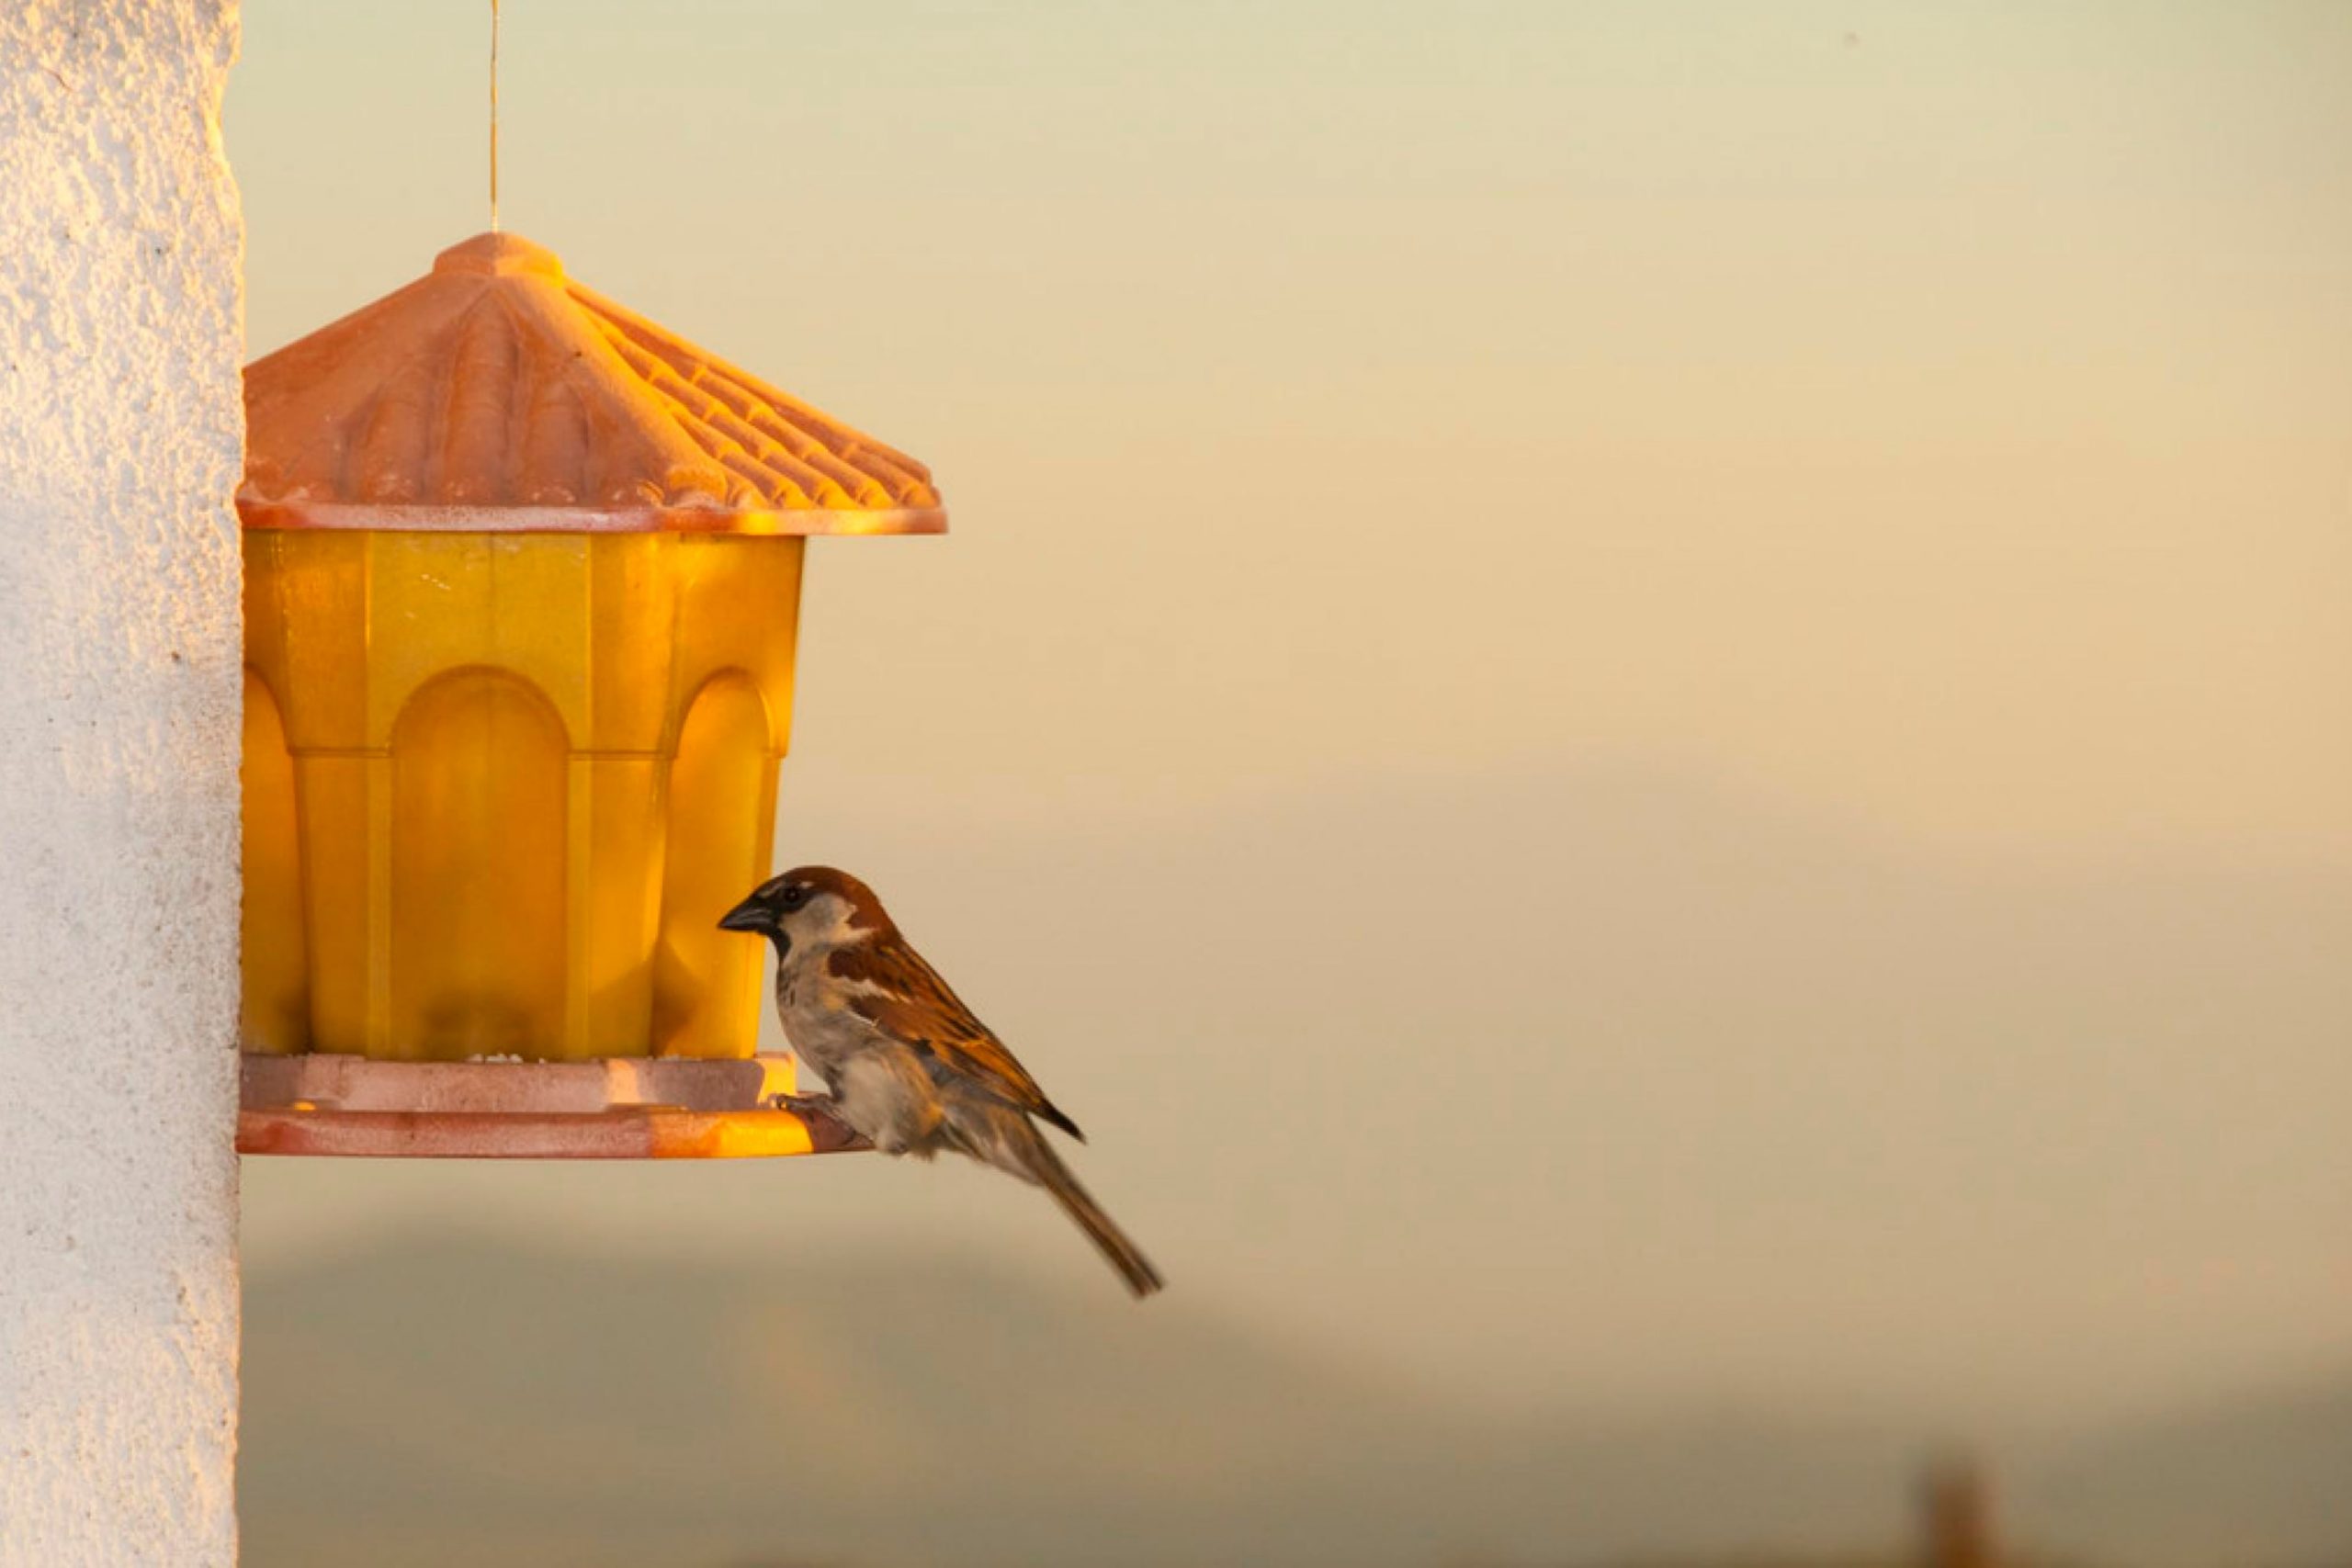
120	426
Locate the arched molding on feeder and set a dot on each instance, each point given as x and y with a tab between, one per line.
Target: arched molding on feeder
721	816
477	945
525	613
277	1009
773	728
737	613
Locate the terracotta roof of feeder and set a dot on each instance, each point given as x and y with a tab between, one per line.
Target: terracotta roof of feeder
496	393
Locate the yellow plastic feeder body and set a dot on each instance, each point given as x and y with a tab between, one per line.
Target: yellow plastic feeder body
521	583
532	772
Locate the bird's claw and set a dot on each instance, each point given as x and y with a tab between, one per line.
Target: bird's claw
821	1114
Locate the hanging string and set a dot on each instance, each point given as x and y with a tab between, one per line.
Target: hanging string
494	116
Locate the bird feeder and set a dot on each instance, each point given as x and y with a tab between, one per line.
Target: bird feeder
521	583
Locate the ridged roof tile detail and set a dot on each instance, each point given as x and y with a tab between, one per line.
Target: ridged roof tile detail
495	392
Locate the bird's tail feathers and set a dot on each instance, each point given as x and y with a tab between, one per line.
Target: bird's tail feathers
1051	1174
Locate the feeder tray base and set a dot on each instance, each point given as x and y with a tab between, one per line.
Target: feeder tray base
616	1108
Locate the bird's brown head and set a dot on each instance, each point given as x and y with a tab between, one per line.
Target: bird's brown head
812	908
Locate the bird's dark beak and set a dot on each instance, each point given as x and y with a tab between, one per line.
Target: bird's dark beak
748	916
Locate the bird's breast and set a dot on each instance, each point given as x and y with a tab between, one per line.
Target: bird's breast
819	1023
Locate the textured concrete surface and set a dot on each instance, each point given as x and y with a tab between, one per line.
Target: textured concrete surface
119	658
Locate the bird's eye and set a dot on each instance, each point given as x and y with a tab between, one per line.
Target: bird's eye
794	896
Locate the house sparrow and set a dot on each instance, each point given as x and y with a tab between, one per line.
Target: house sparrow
909	1067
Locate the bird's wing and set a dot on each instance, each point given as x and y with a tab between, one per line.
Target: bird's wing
893	989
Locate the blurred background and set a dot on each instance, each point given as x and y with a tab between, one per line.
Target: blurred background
1646	705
